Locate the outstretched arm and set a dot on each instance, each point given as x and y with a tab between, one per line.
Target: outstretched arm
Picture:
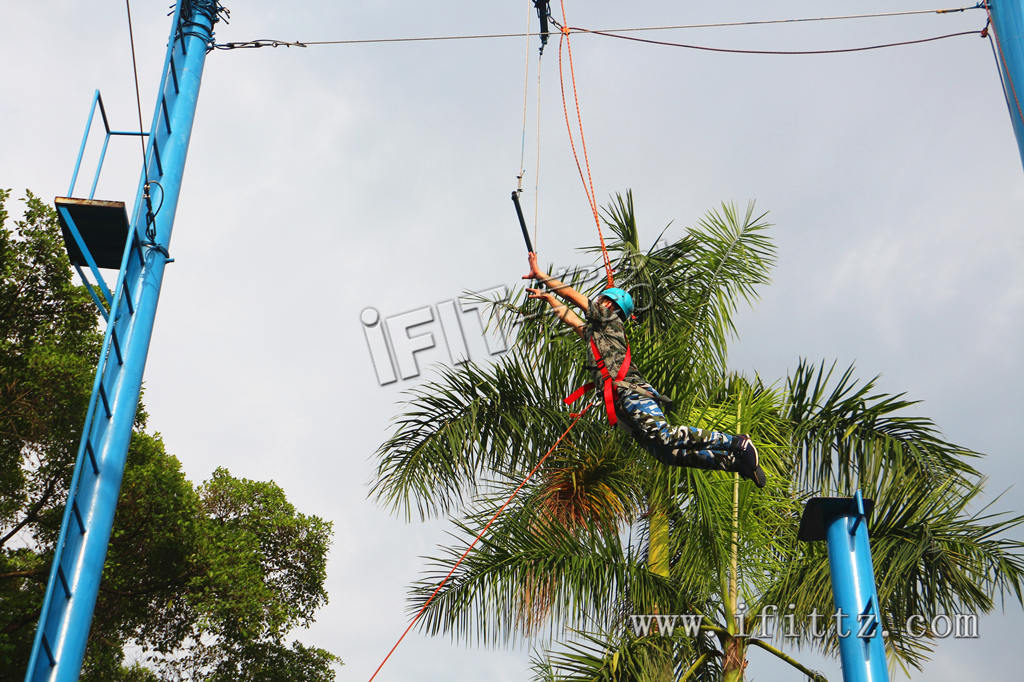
561	310
556	285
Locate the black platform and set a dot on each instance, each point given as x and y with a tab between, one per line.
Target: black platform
103	226
821	511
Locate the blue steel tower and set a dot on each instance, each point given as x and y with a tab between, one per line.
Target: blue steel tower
843	523
1008	26
99	235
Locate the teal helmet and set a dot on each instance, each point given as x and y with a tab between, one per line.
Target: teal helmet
622	299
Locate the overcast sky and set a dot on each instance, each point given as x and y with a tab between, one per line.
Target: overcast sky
328	180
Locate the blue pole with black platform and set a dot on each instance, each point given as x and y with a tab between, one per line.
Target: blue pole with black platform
843	523
99	236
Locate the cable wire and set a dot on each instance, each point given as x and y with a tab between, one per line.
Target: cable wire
1004	68
707	48
135	72
536	170
150	215
483	36
526	94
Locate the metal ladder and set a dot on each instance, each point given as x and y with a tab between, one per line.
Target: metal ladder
99	236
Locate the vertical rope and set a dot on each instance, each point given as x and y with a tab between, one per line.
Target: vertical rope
150	217
536	171
526	92
1002	58
588	181
135	72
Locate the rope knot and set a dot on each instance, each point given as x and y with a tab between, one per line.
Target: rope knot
565	30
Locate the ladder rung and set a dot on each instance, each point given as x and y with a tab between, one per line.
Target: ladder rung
174	73
156	157
138	249
49	652
63	582
92	457
117	346
167	118
78	515
124	285
106	403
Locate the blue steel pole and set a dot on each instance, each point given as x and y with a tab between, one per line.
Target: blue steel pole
78	563
859	626
1008	24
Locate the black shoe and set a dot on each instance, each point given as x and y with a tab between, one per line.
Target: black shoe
747	463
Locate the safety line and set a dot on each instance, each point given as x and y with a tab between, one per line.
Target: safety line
481	36
515	492
999	71
1005	70
135	72
707	48
526	93
797	20
588	181
536	170
150	226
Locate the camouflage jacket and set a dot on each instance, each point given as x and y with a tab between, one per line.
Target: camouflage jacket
609	335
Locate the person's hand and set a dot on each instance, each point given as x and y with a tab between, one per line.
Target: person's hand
535	271
539	293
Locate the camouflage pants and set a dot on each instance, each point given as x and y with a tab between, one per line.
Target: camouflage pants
685	446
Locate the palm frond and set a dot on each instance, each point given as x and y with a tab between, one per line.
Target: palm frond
470	420
842	429
599	657
582	572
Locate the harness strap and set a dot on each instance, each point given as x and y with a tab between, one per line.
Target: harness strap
607	383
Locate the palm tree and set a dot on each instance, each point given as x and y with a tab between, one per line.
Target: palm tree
604	533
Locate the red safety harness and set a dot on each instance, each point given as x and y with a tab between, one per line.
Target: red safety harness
607	383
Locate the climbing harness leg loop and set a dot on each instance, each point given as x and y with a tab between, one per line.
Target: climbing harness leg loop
607	383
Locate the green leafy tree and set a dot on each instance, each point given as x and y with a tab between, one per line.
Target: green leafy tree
206	581
604	532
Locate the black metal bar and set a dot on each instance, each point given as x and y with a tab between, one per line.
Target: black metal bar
92	457
106	402
543	11
167	116
174	74
522	222
78	515
117	346
126	292
64	582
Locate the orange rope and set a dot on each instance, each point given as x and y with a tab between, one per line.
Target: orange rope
588	181
480	535
1020	113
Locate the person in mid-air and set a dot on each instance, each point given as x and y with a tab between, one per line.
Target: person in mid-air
628	398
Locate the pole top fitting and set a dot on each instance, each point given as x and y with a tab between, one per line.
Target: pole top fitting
820	512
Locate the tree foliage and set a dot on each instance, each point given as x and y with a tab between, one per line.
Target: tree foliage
603	531
205	581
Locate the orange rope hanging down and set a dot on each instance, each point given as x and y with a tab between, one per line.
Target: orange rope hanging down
588	181
1005	69
494	518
